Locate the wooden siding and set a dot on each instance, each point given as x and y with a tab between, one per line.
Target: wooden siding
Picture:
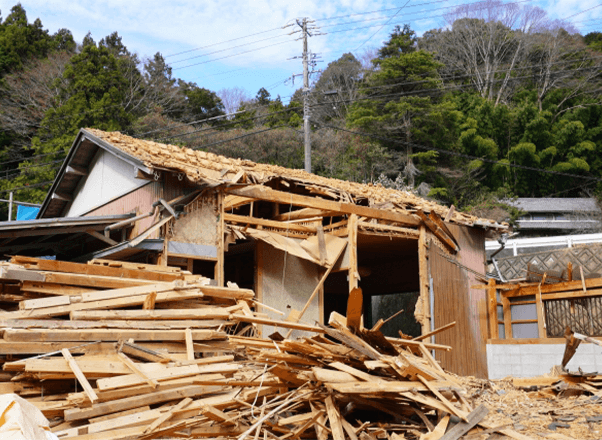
141	200
456	301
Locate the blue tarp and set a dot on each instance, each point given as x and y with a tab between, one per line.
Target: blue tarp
27	212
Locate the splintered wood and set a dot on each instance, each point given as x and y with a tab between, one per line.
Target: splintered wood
119	352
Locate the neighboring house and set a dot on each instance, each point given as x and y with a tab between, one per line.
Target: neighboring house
557	216
546	283
300	241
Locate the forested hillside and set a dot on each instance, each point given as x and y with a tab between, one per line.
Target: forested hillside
502	102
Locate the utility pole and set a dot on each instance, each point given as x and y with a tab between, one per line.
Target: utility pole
306	126
309	60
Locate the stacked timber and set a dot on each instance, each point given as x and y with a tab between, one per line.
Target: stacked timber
122	352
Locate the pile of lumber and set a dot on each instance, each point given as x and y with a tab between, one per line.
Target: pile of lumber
118	351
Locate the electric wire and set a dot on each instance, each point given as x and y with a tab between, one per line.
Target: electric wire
223	42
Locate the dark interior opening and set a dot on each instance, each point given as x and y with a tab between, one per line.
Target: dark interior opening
389	280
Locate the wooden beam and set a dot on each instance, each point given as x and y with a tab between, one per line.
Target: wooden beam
335	419
93	269
167	416
352	245
246	220
434	332
189	344
260	192
439	233
424	285
462	428
81	378
507	317
134	368
101	237
541	328
30	335
437	220
492	309
219	264
303	214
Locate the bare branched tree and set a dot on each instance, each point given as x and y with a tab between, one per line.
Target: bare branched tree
26	95
232	98
487	40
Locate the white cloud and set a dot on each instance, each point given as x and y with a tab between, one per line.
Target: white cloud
171	27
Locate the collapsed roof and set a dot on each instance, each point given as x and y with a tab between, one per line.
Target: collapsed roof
207	169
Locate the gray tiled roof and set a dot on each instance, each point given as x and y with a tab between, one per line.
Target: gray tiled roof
558	224
532	204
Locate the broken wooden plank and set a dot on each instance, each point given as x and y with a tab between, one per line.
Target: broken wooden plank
474	418
81	378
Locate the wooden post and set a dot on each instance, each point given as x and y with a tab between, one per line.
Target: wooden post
492	303
424	282
507	317
164	257
352	237
219	265
541	328
259	277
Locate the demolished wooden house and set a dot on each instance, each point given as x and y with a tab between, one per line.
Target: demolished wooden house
301	242
131	351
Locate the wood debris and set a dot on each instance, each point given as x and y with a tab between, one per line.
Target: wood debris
103	361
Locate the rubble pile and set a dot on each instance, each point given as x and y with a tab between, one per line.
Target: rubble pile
120	351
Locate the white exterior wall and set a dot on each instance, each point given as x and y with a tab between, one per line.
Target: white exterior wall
108	178
529	360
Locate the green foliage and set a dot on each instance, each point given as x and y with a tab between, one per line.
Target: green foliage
20	40
594	40
401	41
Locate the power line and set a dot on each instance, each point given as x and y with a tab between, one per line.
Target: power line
234	55
585	10
35	185
240	137
378	10
227	49
222	42
386	23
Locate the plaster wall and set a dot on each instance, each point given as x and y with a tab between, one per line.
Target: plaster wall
529	360
109	177
300	279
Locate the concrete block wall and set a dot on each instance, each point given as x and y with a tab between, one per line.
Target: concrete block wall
529	360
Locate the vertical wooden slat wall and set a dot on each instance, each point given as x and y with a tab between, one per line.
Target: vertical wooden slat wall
456	301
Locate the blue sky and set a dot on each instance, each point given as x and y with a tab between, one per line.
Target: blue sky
216	33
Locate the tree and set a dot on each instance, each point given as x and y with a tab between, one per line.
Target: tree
262	97
401	41
159	90
232	98
201	103
594	40
396	109
20	40
486	41
336	88
26	95
91	93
